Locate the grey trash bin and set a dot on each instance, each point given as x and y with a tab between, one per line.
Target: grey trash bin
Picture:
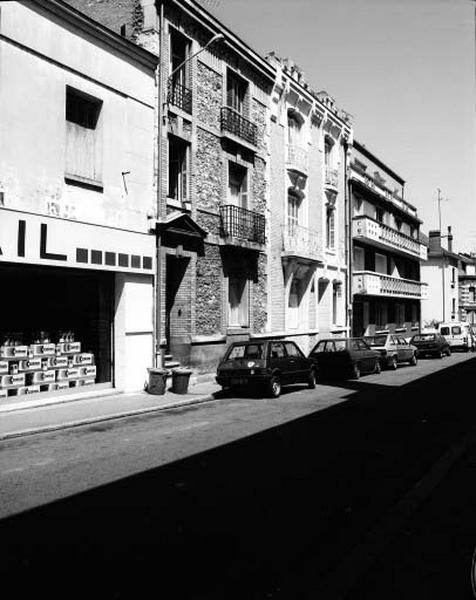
157	381
180	379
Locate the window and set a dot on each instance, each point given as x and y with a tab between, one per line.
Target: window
235	92
330	227
379	214
380	314
336	294
179	53
238	301
412	232
453	306
398	224
294	130
238	185
399	314
453	275
472	294
245	351
294	302
293	212
292	349
276	350
328	147
178	162
83	137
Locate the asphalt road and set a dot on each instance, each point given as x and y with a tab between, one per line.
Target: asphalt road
239	498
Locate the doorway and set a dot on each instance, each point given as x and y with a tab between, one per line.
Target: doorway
177	307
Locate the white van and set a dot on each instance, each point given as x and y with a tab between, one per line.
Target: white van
458	335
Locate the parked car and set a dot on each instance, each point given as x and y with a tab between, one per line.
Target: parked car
344	357
267	363
393	350
457	334
431	344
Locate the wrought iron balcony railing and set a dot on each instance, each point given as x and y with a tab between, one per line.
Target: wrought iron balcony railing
301	242
297	159
377	284
180	96
234	123
366	227
242	224
332	177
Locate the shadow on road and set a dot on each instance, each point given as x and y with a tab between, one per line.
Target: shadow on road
264	517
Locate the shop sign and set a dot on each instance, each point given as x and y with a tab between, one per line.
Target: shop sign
36	239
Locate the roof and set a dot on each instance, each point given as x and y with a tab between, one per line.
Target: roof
363	149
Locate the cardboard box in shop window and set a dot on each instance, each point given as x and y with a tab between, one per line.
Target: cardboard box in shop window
3	394
29	389
30	364
8	381
3	367
43	349
66	374
41	377
84	358
89	371
57	362
62	385
13	351
88	381
68	347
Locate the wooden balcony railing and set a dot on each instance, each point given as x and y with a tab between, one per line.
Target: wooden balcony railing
366	227
377	284
234	123
180	96
242	224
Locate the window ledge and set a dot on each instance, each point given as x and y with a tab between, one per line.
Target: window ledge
83	182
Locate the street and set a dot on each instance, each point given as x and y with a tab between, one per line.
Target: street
238	498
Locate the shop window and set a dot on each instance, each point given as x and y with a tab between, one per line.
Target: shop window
414	309
380	315
238	302
399	314
330	227
83	137
238	185
236	89
178	167
179	54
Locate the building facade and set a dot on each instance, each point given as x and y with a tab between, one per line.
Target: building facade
77	261
441	273
387	258
467	287
308	249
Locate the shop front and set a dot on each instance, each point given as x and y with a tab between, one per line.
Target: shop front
76	306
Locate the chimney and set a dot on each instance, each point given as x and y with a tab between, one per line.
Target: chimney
434	240
450	239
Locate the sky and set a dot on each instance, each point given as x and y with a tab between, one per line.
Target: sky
405	70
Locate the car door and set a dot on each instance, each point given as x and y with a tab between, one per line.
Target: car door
367	356
405	349
298	363
278	360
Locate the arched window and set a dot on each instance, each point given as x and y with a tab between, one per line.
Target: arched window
295	123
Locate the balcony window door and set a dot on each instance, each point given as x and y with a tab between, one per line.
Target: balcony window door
237	185
293	213
235	92
380	263
179	53
294	130
238	304
379	214
330	227
359	259
328	152
178	159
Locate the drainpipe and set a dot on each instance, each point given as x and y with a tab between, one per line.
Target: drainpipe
158	303
348	240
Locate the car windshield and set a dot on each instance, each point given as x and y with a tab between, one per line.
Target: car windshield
245	351
376	340
424	338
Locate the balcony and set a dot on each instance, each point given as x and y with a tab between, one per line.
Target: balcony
386	237
332	178
238	128
180	96
242	227
297	159
301	242
377	284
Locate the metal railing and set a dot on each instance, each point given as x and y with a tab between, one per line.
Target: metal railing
180	96
297	159
242	224
301	241
378	284
236	124
365	226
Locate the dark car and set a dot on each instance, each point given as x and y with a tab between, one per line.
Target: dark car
266	363
347	357
393	349
431	344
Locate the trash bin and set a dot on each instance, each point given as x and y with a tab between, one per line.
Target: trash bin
180	378
157	381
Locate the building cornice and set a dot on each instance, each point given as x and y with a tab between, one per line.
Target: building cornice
99	32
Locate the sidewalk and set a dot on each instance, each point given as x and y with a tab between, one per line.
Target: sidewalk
17	421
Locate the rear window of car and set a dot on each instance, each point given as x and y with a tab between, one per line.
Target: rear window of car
376	340
245	351
456	330
445	331
429	337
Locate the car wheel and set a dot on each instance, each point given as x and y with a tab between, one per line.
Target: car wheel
378	367
439	354
274	387
393	363
356	371
311	383
413	361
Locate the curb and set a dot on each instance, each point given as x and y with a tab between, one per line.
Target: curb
104	418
